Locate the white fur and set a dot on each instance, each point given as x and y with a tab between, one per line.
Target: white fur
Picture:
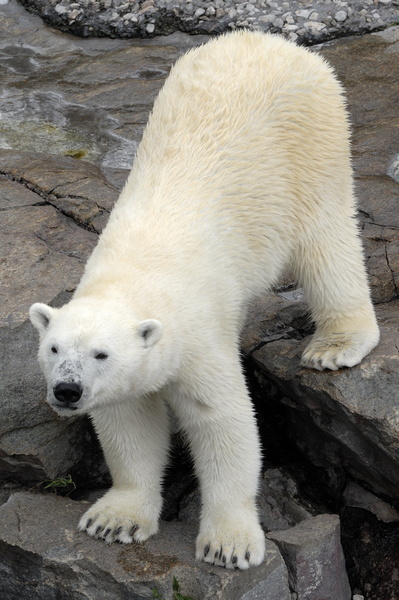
244	168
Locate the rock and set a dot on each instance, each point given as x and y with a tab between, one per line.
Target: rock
55	561
280	506
34	444
355	496
341	15
313	554
314	27
371	80
334	416
77	188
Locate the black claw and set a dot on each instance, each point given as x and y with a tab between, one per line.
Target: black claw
89	522
117	532
247	556
133	530
234	560
224	558
217	554
206	550
98	529
106	532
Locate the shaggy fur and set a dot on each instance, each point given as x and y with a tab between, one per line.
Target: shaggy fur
243	169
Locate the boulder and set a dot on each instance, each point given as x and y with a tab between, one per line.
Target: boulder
55	562
313	553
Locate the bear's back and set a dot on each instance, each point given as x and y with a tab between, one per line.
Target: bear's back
245	132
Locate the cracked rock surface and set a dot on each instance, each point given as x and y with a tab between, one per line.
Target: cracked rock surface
72	114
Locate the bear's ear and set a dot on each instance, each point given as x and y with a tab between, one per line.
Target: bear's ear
40	316
150	332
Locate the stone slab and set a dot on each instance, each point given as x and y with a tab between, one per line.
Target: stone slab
43	557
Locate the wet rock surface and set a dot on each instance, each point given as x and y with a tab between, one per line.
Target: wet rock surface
72	114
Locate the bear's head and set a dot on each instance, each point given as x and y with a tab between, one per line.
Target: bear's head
95	353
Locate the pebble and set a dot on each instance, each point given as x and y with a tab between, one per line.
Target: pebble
340	16
303	13
61	10
319	20
73	14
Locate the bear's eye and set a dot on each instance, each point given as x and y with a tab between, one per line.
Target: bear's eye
54	350
101	356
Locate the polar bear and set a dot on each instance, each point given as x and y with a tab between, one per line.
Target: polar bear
244	168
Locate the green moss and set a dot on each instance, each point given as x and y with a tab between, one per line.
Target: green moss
76	153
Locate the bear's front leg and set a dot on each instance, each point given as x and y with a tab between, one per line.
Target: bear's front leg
135	440
222	431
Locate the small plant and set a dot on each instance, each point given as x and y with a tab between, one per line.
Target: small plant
176	591
61	482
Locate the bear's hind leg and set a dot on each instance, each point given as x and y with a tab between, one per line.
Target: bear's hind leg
329	264
134	437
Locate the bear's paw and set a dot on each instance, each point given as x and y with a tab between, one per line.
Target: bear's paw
234	544
119	518
334	350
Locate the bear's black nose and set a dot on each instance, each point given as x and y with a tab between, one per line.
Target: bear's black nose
67	392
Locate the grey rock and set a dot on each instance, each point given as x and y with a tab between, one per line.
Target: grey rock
279	501
356	496
34	443
371	79
348	417
313	553
56	562
341	15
